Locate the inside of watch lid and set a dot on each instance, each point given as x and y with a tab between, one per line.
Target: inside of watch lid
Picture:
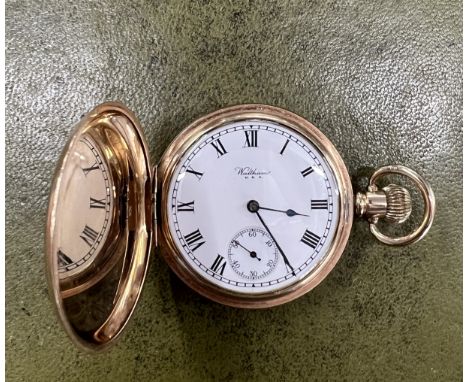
99	227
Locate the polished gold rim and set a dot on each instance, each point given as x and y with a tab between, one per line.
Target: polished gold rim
189	137
133	156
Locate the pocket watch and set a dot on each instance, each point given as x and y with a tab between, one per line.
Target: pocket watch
251	206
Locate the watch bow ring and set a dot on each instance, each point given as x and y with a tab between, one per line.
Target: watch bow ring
393	203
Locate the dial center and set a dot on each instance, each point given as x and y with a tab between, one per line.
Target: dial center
253	206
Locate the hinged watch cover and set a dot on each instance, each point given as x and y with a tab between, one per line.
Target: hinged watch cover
106	161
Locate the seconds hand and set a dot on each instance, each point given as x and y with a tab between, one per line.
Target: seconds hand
251	253
253	207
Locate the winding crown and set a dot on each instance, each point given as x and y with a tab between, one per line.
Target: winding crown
398	203
392	203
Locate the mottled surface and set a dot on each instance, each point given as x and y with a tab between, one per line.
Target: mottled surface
382	79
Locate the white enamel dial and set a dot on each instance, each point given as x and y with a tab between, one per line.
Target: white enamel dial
253	174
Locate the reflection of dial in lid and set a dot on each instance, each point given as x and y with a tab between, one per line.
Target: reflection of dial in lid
87	206
252	253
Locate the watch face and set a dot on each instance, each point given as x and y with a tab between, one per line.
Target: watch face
253	207
84	217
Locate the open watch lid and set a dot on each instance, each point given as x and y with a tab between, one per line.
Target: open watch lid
100	226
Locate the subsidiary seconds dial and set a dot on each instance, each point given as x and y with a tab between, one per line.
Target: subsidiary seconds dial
252	253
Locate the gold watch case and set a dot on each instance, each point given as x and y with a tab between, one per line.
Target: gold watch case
139	218
192	134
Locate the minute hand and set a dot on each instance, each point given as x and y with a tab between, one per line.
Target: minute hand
286	261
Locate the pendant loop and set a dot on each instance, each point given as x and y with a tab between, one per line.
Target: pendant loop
393	203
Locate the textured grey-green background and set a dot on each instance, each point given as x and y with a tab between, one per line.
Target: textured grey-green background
382	79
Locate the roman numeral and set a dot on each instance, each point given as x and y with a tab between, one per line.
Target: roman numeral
95	166
219	265
321	204
307	171
310	239
220	150
190	206
194	240
284	147
97	203
251	138
196	173
63	260
89	235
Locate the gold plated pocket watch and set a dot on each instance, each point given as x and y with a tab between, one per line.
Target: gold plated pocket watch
251	206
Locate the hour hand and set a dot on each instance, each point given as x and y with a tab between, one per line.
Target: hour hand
253	206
